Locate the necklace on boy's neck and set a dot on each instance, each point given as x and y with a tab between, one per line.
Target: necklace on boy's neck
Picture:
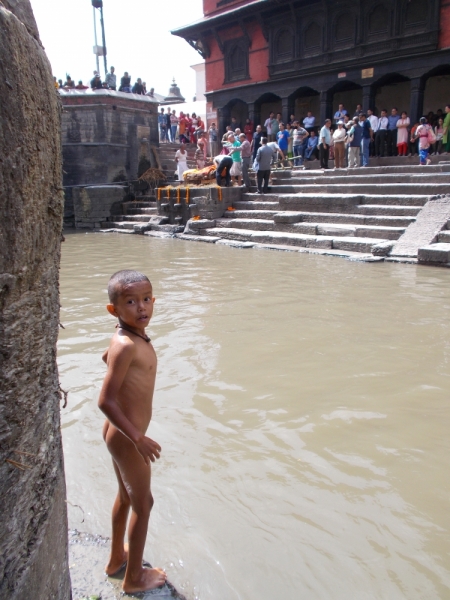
144	337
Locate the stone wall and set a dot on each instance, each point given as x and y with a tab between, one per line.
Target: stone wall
94	204
104	134
33	524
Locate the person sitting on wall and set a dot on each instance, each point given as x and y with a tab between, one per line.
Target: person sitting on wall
125	83
311	148
111	79
223	165
80	86
70	83
309	122
138	88
96	82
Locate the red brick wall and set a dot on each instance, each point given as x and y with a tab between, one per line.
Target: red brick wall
258	58
444	25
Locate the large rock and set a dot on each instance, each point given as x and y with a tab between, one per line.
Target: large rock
33	524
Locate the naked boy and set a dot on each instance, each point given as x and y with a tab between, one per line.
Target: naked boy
126	400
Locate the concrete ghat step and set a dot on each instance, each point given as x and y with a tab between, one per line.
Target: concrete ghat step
351	244
250	214
256	204
388	210
142	211
380	170
341	202
398	178
134	218
120	224
426	189
317	228
353	219
444	237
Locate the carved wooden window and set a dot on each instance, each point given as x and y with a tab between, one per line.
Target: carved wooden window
345	28
312	39
284	45
236	60
379	19
416	11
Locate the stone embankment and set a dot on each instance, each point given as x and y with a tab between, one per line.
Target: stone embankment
393	213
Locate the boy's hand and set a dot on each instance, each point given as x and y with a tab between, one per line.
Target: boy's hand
148	449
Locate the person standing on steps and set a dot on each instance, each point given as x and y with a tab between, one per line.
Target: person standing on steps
366	137
246	153
264	158
256	142
446	136
402	134
381	134
392	132
339	138
181	160
324	144
424	143
354	148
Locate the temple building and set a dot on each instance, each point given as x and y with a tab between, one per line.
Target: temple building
295	56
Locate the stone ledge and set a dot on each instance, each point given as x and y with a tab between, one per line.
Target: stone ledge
434	253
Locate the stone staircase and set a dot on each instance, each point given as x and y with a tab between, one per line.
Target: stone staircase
134	213
346	211
167	158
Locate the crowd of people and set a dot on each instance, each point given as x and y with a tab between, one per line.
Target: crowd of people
348	140
109	83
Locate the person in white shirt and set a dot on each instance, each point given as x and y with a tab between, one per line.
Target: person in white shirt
181	160
339	138
268	126
373	120
381	134
309	121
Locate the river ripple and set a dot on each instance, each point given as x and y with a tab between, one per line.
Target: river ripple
303	410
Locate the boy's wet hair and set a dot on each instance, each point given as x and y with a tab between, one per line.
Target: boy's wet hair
121	279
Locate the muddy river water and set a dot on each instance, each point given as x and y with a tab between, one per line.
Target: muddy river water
303	407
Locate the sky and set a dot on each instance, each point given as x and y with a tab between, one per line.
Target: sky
138	40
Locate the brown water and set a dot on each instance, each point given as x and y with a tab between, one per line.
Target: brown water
302	404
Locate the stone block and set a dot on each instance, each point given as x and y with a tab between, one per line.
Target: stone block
340	230
158	220
201	224
383	248
141	227
94	204
306	228
287	217
434	253
235	244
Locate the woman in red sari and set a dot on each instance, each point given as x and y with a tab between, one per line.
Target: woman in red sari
248	130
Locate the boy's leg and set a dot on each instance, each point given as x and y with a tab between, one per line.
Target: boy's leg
135	475
121	508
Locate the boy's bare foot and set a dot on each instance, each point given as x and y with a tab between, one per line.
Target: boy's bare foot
117	563
149	579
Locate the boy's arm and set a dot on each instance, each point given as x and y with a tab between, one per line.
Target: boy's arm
119	360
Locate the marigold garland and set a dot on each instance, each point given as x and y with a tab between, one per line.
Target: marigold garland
219	192
187	195
159	194
178	194
168	188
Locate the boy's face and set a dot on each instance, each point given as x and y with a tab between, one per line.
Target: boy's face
134	305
